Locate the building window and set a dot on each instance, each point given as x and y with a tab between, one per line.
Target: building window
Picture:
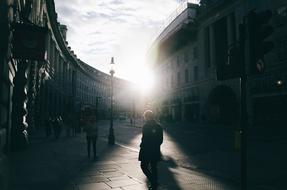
178	78
195	53
233	28
207	47
186	76
178	60
195	73
220	42
186	58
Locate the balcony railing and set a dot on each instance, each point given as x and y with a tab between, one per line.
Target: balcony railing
184	5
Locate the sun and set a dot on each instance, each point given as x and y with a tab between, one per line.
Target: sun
132	64
141	76
144	81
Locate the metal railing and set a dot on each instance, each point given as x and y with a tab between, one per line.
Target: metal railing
184	4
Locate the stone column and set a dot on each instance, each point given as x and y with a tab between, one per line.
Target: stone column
19	111
32	96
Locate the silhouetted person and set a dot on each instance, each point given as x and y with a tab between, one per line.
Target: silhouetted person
152	137
48	127
91	130
69	126
57	126
61	125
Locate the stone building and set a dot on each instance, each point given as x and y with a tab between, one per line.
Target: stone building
186	55
40	76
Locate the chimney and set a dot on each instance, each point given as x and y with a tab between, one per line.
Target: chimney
63	29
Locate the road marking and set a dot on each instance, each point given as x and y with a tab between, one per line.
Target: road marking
125	146
122	145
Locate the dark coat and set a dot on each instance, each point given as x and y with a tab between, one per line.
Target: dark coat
152	137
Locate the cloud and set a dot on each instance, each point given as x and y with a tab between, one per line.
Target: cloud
98	30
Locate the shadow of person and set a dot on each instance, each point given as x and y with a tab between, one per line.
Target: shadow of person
167	179
169	161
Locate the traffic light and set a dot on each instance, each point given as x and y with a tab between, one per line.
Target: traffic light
259	29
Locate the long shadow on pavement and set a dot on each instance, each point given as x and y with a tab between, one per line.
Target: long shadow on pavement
118	167
208	150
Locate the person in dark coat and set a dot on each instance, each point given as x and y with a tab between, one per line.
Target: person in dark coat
91	129
149	155
48	126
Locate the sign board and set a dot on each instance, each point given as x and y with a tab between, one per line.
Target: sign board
29	41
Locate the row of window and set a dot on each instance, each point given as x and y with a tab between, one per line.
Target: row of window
188	77
187	56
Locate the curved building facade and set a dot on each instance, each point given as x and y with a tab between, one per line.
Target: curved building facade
48	83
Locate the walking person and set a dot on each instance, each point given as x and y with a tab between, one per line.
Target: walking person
91	130
48	127
149	155
69	125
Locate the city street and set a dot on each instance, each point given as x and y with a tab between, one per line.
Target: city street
195	147
76	75
210	149
63	164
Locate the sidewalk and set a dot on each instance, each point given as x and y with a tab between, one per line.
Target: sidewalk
266	157
214	149
63	164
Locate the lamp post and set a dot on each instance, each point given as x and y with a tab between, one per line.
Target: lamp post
111	131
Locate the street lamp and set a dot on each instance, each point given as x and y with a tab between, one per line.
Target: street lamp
111	132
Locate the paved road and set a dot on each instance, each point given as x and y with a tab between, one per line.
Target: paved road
63	165
195	150
210	150
192	159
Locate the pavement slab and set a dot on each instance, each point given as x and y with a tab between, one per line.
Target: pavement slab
135	187
122	183
94	186
113	174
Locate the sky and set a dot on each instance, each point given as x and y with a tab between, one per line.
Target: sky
123	29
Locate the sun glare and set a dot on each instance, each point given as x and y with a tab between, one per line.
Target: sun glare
141	77
145	81
132	65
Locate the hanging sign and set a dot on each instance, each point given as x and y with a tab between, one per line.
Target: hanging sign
29	41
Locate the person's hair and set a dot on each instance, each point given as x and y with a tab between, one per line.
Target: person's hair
148	115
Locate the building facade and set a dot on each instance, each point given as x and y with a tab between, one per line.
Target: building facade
186	56
34	89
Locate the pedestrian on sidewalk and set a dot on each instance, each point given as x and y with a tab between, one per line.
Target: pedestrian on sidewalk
149	155
57	126
91	130
48	127
69	126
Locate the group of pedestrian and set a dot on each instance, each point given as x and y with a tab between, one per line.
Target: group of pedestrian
54	125
150	154
70	125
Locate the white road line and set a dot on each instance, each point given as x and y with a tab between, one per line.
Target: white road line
125	146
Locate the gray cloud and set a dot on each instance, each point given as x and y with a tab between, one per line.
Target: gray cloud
94	14
99	29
